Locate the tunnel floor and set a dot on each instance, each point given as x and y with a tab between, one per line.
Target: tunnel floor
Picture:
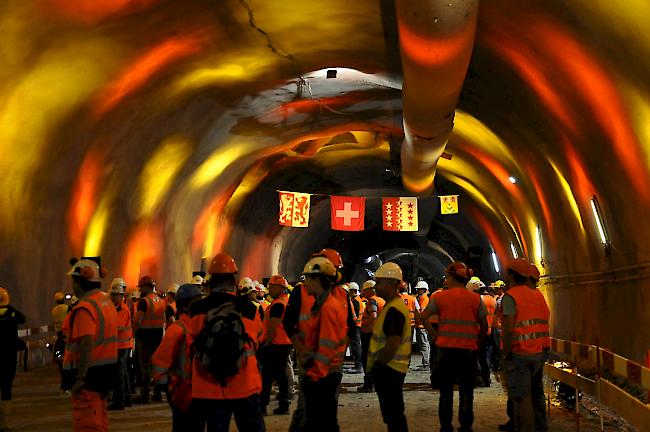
39	406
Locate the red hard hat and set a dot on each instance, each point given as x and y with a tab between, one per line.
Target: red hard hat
222	263
278	280
460	269
332	255
534	273
520	266
146	280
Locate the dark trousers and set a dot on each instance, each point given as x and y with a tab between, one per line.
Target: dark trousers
7	373
484	361
365	347
274	368
434	364
146	348
457	365
122	386
216	414
182	421
525	389
539	401
355	346
321	405
495	338
388	384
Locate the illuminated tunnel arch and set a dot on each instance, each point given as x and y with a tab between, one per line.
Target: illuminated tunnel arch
145	131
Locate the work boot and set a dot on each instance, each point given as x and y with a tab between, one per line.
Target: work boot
365	389
355	370
5	411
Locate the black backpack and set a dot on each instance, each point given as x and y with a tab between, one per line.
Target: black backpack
220	346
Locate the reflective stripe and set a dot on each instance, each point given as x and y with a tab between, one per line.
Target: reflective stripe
530	322
322	358
460	322
329	343
249	353
382	339
100	339
457	335
304	317
529	336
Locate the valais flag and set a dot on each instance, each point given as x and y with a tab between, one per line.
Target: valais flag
348	213
294	209
400	214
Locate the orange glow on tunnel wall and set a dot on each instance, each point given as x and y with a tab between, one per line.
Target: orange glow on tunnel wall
138	73
143	252
211	223
490	232
579	175
84	198
92	11
499	172
432	52
256	263
541	196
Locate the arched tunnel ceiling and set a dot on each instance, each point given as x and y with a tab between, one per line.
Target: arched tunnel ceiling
154	133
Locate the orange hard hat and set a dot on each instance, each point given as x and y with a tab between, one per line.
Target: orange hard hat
222	263
460	270
332	255
279	280
146	280
4	297
534	273
520	266
59	296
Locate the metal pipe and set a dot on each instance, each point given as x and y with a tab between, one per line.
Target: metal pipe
436	40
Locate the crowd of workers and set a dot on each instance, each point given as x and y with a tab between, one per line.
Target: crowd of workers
216	346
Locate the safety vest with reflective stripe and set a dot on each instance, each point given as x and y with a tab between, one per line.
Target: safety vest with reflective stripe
399	362
358	318
458	312
154	316
368	321
104	351
409	301
305	321
423	301
491	307
434	319
328	339
530	334
124	330
280	337
172	358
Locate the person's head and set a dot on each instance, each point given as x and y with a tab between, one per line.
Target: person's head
223	274
277	286
533	277
389	280
421	288
475	284
147	285
86	276
117	290
335	258
353	289
4	297
59	297
368	289
246	288
457	275
186	294
172	289
518	271
320	275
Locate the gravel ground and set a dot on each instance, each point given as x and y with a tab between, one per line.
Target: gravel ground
39	406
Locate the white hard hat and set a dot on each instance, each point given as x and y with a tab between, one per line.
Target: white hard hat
369	284
474	284
246	282
422	285
135	294
354	286
389	270
87	269
172	288
118	285
197	280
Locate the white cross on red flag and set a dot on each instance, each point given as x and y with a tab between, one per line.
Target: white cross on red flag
348	213
400	213
294	209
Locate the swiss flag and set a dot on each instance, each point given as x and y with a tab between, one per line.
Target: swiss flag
348	213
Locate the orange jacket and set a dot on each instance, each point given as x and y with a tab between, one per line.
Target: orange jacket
423	301
280	336
434	319
104	351
368	320
409	301
458	312
247	381
358	318
327	339
172	360
154	316
305	321
124	330
530	334
491	306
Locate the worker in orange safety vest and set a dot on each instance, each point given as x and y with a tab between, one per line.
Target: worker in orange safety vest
421	335
374	305
276	347
462	326
526	340
172	361
354	332
485	350
170	304
90	357
215	400
122	387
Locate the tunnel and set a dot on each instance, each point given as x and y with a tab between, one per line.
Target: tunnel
155	134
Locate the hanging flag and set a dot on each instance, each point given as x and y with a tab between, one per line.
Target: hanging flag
449	204
400	214
294	209
348	213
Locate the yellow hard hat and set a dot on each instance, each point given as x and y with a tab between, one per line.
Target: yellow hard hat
319	265
4	297
389	270
59	296
369	284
